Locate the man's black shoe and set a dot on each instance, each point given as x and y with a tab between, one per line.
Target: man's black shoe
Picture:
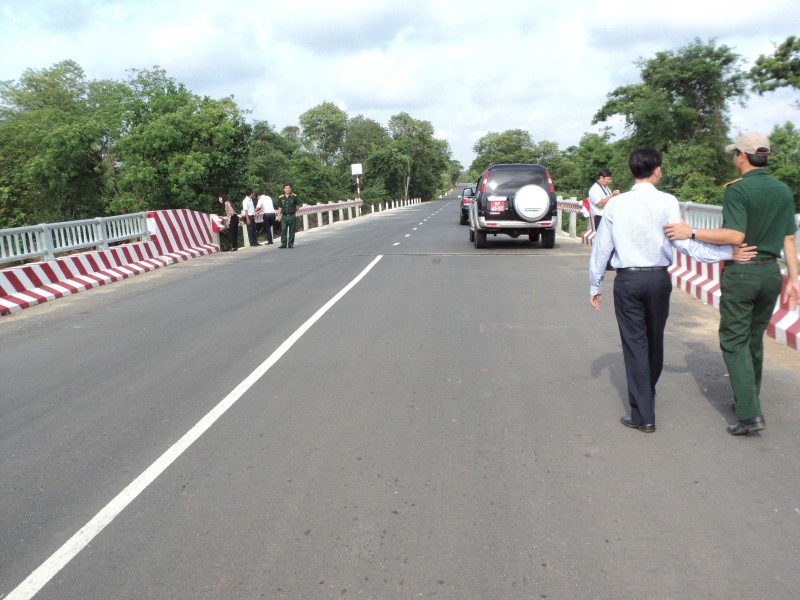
628	422
281	246
748	425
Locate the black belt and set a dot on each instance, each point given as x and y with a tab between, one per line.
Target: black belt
758	261
643	269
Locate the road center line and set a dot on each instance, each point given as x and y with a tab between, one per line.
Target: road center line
59	559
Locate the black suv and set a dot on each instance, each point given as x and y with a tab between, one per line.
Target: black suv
466	197
514	199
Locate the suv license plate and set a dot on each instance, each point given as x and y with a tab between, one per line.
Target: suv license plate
497	205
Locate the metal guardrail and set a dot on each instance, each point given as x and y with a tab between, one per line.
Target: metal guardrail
45	241
704	216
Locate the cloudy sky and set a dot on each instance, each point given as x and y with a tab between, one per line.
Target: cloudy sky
466	66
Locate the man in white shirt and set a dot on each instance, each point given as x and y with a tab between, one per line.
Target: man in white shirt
633	232
599	195
266	210
249	211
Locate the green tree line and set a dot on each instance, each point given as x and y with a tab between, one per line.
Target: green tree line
74	148
71	148
681	107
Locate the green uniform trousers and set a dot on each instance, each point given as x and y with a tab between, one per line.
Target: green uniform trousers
288	226
749	292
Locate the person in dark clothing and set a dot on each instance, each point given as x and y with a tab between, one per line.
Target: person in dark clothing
232	220
288	203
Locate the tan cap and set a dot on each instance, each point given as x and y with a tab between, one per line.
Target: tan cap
751	142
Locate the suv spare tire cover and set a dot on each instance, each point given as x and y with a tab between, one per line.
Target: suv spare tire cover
531	202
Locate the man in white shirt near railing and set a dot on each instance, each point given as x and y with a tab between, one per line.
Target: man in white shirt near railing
249	213
266	210
599	195
756	209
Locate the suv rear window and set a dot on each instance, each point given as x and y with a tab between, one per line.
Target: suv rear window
506	181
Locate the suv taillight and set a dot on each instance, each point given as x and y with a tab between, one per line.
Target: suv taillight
550	181
485	179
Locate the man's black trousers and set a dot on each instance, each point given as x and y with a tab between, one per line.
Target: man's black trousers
641	303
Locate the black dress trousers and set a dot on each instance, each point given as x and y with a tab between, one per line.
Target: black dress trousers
641	304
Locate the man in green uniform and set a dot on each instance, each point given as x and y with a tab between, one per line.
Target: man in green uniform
288	204
759	211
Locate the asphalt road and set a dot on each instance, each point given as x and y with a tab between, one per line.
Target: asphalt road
448	428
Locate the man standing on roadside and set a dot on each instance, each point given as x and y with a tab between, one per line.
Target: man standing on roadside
266	210
758	210
599	195
288	203
633	232
249	211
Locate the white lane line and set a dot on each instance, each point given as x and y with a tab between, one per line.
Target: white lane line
408	235
396	244
48	569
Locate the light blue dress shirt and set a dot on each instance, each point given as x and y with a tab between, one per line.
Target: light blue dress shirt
632	235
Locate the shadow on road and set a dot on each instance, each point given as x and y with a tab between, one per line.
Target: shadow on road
614	363
710	374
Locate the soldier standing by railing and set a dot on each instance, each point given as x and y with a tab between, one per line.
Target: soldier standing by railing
757	210
288	203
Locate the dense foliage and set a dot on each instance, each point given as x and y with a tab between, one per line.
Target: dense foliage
72	148
680	106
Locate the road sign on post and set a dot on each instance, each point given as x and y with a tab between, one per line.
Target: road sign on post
356	169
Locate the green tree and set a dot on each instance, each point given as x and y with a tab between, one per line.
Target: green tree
429	157
180	150
373	191
315	182
454	172
391	167
362	138
781	69
785	161
576	169
269	160
291	133
510	146
323	130
684	97
690	173
55	131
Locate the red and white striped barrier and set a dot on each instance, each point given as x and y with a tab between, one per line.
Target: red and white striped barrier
175	236
784	325
702	280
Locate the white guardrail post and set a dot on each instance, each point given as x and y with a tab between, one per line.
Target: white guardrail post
47	247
